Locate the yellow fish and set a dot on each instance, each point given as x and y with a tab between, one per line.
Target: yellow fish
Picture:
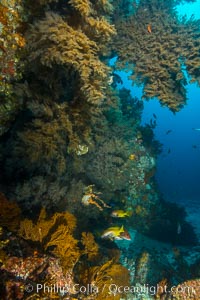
121	213
116	233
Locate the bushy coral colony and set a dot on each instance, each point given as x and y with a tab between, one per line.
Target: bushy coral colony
158	48
77	168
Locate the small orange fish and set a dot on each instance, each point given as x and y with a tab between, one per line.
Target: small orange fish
149	28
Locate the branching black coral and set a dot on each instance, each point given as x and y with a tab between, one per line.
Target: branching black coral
66	83
53	42
157	46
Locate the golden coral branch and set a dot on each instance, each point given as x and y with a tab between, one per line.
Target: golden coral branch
90	246
54	232
53	41
83	6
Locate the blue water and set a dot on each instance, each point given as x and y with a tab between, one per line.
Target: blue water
189	9
178	166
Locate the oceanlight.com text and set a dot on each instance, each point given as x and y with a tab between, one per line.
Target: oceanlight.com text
111	289
150	289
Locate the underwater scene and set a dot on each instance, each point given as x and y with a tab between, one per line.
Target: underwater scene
99	149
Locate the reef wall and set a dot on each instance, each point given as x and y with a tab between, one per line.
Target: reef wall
72	151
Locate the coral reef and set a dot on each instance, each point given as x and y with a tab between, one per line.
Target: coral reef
24	268
76	151
77	54
157	48
187	290
142	268
75	130
91	248
48	253
63	89
56	232
17	274
104	277
11	44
